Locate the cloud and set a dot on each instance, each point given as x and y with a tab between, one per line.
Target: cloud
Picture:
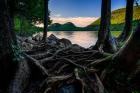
57	15
78	21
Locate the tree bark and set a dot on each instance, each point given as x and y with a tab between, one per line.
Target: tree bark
11	9
45	20
8	62
105	41
6	51
128	55
128	21
123	65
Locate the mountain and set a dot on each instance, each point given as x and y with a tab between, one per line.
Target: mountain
118	19
55	27
69	26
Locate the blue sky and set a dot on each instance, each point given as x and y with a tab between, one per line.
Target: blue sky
82	8
71	9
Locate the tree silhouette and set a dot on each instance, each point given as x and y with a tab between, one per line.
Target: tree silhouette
6	44
105	41
128	21
46	12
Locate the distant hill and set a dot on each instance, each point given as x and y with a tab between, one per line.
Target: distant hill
118	19
117	22
55	27
69	26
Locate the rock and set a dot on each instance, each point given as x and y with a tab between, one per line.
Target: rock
29	40
26	46
37	37
53	37
52	40
64	42
77	48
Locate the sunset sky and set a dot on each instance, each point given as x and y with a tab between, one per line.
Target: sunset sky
80	12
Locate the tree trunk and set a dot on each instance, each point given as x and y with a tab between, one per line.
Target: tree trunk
11	5
45	20
105	42
137	2
128	21
130	53
123	65
6	50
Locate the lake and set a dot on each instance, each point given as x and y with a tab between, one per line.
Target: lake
82	38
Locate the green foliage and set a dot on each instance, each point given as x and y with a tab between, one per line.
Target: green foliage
24	26
32	10
115	33
27	12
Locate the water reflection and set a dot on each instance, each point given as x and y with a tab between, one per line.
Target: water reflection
83	38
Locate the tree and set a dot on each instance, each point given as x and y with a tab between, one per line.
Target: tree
38	11
137	2
10	58
125	63
105	42
45	19
32	10
128	21
6	44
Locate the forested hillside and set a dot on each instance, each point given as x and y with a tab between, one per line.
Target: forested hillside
69	26
117	19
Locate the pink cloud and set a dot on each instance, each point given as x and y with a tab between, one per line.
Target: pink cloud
78	21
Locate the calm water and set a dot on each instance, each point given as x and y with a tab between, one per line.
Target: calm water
82	38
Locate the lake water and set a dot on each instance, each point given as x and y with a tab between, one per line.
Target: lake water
82	38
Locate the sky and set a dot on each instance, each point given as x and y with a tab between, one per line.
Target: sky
80	12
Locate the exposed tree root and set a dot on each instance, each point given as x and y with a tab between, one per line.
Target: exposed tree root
76	69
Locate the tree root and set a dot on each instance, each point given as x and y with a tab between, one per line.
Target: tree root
82	70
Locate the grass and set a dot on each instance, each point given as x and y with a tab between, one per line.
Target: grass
115	33
118	19
118	16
